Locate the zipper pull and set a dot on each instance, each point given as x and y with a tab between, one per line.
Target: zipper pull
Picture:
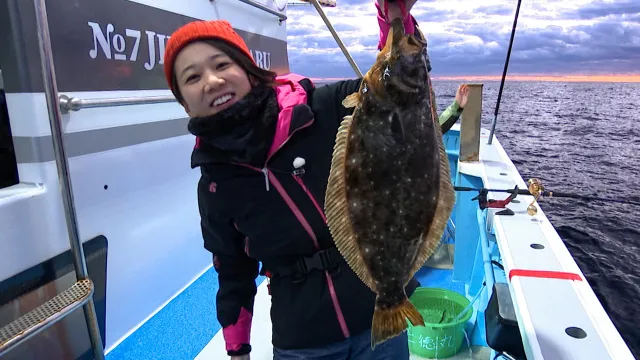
265	171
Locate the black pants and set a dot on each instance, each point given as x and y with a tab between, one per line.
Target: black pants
355	348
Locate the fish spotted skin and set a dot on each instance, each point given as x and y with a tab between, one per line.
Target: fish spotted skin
389	194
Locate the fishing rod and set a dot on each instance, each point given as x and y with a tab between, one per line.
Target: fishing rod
504	72
535	189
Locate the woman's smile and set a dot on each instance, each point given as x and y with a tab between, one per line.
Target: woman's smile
223	101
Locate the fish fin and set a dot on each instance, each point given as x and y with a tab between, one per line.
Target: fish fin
351	100
444	207
391	322
336	208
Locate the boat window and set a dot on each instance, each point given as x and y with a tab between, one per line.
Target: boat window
8	165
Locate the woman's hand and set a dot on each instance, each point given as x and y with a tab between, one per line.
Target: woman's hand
462	95
394	8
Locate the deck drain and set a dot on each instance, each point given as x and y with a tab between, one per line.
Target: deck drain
575	332
537	246
503	174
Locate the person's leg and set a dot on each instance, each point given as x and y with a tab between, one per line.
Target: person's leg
396	348
337	351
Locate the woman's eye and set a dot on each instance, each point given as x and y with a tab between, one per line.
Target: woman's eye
192	78
222	65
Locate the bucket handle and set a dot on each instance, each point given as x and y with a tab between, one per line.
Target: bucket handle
470	304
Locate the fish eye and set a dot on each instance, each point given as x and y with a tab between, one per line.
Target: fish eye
387	72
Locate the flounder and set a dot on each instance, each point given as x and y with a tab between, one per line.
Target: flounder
389	193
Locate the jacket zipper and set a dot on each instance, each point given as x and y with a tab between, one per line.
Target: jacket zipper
265	171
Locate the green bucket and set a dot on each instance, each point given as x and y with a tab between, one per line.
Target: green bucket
440	338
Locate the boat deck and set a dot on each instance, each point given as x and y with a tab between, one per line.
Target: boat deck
526	247
174	333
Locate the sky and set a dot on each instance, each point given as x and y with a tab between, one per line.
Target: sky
577	39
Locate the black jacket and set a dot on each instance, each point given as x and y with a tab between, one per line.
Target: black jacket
247	219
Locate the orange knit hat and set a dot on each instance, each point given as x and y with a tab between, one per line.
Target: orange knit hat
217	29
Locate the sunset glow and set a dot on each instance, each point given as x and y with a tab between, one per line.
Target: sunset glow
631	78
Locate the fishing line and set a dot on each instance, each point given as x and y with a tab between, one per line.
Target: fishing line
504	72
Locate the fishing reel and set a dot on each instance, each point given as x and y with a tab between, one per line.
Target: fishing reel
536	189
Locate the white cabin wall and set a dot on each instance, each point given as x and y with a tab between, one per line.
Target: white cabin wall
241	16
148	212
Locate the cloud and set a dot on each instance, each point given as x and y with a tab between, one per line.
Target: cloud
552	37
601	9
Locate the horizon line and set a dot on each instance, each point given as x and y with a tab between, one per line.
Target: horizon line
620	78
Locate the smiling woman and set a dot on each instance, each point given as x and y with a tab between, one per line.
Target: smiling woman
264	145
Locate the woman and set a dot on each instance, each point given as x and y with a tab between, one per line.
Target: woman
264	172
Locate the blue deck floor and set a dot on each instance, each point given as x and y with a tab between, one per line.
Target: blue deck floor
175	333
180	330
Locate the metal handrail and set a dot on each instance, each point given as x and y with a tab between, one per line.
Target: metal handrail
67	103
281	17
62	165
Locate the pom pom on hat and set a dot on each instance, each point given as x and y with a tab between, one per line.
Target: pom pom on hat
196	30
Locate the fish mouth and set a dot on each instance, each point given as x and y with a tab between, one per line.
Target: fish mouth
406	75
403	73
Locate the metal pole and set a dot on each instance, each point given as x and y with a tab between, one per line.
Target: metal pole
281	17
55	122
336	37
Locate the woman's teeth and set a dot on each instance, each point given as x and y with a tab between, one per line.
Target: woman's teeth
221	100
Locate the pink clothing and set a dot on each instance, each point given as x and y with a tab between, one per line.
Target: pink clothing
239	333
409	22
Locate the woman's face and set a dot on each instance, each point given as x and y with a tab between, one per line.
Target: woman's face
208	80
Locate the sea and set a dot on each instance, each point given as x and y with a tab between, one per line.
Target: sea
583	138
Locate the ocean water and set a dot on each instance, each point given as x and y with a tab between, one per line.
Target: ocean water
580	138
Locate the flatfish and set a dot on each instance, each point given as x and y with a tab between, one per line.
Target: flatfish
389	193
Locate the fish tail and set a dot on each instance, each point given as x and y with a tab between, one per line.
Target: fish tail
389	322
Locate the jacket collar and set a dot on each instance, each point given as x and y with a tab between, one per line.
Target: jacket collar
292	94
